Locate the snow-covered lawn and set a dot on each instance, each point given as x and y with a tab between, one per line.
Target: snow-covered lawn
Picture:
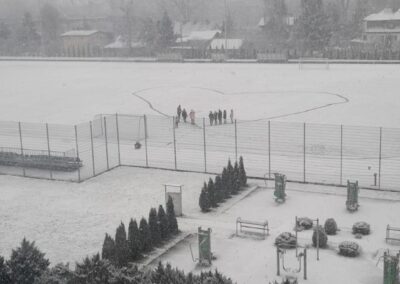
68	221
72	92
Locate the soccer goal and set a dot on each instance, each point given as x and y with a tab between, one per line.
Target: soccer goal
313	63
122	126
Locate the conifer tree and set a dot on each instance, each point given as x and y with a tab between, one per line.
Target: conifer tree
225	183
163	221
154	227
211	193
121	246
145	235
133	240
242	173
4	273
108	251
27	263
219	192
204	201
91	270
230	177
172	222
236	178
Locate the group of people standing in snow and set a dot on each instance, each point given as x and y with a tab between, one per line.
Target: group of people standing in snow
182	112
217	116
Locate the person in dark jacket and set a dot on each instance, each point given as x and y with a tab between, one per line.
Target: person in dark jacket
178	112
215	117
224	116
220	116
211	117
184	115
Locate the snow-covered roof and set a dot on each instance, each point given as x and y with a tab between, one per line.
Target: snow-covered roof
187	28
120	42
384	15
80	33
200	36
231	43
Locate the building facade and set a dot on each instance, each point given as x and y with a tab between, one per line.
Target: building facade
382	28
84	43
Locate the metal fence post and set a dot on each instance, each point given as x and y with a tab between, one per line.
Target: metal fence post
118	144
145	139
269	149
21	146
236	148
205	145
304	152
380	157
77	152
106	141
91	143
173	132
341	154
48	149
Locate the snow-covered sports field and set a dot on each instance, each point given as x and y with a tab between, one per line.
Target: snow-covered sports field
72	92
68	221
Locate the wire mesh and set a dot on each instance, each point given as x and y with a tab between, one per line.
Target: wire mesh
320	153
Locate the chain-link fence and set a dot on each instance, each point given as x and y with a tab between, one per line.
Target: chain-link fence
316	153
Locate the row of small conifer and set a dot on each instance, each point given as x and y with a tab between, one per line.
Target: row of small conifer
230	182
141	239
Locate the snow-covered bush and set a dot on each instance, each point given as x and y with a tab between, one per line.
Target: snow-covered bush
286	240
304	223
322	237
362	228
330	226
350	249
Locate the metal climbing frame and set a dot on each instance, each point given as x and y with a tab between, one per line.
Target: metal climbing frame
205	254
352	196
280	187
280	257
296	231
391	268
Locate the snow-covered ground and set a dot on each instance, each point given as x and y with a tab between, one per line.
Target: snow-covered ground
68	221
73	92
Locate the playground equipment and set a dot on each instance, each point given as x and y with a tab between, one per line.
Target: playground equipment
171	191
240	223
352	196
280	188
391	268
205	254
317	232
280	258
392	234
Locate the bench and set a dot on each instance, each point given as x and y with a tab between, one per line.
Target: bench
240	223
392	237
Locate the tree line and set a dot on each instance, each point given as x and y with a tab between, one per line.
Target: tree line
131	246
230	182
28	265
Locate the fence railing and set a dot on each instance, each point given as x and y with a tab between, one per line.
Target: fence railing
305	152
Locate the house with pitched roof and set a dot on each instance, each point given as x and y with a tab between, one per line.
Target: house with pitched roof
84	43
382	27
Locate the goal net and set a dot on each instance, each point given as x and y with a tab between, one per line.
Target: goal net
123	126
313	63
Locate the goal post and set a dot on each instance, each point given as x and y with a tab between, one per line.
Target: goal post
314	63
